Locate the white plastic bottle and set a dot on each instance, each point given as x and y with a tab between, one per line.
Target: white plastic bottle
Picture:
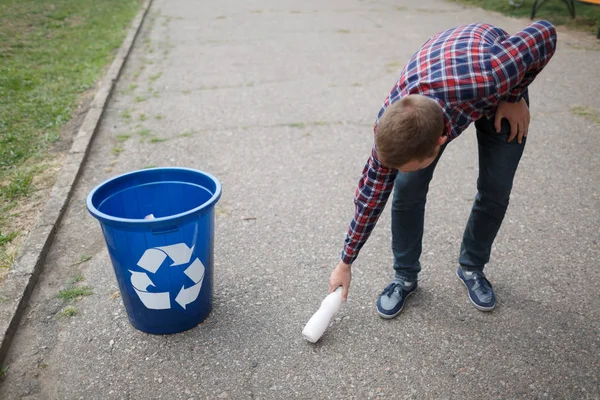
320	320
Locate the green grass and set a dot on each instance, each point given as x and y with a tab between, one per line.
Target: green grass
7	238
50	53
159	117
68	312
156	139
77	278
7	259
3	371
18	186
587	113
74	293
154	77
126	115
117	150
144	132
555	11
123	138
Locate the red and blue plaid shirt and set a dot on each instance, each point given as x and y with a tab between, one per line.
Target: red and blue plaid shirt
467	70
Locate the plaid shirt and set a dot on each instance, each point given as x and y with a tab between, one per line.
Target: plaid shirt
467	70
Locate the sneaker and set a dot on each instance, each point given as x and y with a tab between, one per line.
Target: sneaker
480	289
392	299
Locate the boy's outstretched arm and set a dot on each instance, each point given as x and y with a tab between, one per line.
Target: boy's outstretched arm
370	198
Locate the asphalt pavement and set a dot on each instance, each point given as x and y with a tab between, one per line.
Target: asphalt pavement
277	100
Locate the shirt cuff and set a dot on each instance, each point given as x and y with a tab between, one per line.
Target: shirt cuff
347	257
514	96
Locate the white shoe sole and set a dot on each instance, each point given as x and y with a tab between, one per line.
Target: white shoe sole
477	306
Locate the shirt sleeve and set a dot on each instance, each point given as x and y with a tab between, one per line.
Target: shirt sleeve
370	198
518	59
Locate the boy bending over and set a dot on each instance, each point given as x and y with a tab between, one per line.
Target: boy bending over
478	73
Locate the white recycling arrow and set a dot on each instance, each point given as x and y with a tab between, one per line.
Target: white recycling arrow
179	253
152	259
140	280
187	296
155	301
196	273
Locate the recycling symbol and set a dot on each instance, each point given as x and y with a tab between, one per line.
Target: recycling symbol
151	261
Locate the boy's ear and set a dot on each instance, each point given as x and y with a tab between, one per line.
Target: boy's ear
442	140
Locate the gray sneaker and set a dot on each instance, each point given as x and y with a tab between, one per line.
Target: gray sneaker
392	299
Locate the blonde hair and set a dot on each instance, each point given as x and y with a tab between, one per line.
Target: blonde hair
409	130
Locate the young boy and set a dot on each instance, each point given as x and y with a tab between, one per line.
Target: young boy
470	73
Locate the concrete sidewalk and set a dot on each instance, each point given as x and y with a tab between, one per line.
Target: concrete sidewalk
277	99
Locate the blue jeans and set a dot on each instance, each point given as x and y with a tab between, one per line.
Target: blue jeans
498	161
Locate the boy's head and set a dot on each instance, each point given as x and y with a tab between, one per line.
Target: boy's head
410	133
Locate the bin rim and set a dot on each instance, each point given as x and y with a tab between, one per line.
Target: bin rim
111	220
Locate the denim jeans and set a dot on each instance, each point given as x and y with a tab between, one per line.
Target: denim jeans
498	161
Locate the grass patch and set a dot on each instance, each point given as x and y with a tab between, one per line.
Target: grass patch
186	134
154	77
7	258
156	139
139	99
186	91
126	115
587	113
50	53
77	278
130	89
3	371
117	150
149	166
393	67
299	125
18	186
68	312
159	117
85	257
123	138
143	117
144	132
4	239
587	15
343	31
75	293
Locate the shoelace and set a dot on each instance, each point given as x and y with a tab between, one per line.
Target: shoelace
388	291
481	282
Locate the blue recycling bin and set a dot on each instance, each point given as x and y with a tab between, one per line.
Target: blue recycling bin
159	229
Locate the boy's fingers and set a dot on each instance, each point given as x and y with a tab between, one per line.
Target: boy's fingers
498	122
345	292
514	129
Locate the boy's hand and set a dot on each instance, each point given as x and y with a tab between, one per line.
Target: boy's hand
341	276
517	115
